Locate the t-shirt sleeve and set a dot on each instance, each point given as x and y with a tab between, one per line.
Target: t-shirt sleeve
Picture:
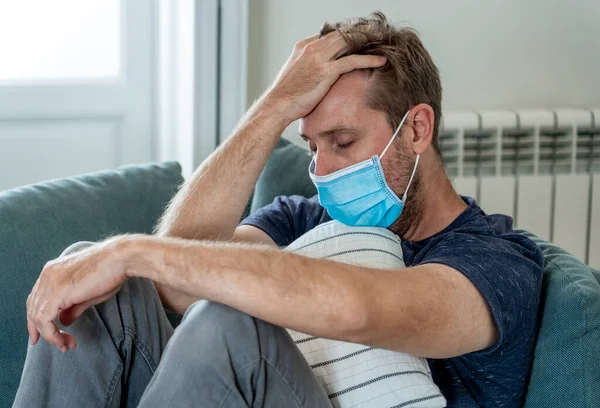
287	218
506	271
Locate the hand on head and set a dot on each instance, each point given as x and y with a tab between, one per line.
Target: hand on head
311	70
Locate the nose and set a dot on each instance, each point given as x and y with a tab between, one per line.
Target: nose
324	164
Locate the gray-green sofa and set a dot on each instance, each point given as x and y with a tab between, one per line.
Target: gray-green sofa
38	222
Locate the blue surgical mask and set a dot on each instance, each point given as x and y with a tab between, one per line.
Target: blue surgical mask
359	195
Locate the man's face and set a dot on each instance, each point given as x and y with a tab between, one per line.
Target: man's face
343	131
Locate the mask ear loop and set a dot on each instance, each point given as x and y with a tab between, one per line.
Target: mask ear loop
411	177
394	136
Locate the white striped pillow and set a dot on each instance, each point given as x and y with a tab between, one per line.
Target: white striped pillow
355	375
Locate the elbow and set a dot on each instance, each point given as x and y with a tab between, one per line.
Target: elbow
355	322
195	233
174	231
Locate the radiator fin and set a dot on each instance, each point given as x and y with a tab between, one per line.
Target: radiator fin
539	166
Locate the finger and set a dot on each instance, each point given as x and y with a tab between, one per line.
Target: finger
32	331
320	44
303	43
34	335
31	308
69	339
43	319
356	61
51	333
330	38
337	48
68	316
325	42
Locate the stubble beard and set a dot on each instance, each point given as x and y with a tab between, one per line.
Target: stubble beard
413	207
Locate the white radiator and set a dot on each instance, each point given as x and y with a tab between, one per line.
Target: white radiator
541	167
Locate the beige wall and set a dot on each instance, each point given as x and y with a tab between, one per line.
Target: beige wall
498	54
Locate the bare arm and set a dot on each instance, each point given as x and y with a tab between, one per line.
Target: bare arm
211	203
209	206
431	310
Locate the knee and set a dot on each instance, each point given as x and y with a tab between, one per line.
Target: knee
217	322
206	312
76	247
209	333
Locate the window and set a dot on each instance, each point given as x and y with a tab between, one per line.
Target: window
42	40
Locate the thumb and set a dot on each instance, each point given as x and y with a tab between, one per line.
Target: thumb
68	316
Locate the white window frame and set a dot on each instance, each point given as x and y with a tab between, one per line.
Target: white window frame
233	64
202	76
110	99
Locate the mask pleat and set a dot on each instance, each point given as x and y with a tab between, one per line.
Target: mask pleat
346	190
359	195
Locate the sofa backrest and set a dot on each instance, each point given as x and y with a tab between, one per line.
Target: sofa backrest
38	222
566	364
286	173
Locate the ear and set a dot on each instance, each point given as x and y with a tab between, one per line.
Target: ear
422	119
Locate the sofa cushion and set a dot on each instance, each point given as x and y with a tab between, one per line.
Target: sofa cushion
38	222
373	247
567	355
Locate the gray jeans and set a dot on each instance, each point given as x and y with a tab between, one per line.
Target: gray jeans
128	354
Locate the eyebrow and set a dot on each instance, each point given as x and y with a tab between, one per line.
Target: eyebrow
332	132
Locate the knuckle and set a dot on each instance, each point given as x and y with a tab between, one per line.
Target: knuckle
301	43
39	312
342	65
47	270
70	282
310	48
352	59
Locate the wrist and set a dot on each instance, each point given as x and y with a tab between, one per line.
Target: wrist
276	109
137	254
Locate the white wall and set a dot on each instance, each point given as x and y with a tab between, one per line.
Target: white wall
500	54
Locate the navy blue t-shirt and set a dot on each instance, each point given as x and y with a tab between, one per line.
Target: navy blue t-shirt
505	266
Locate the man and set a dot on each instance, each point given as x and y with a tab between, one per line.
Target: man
467	301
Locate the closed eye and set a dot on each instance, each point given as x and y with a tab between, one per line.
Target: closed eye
346	145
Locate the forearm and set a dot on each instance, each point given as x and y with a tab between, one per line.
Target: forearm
210	204
431	310
310	295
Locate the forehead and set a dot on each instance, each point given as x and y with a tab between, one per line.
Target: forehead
344	104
